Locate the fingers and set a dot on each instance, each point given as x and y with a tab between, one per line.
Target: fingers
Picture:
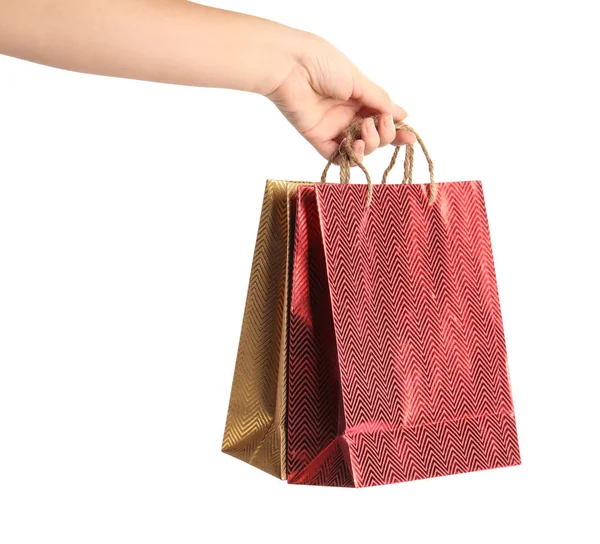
374	99
383	134
369	135
368	99
372	137
404	137
375	137
388	133
398	113
387	130
327	149
358	147
373	96
359	150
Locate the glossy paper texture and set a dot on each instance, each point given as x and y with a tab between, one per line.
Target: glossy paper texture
397	367
255	427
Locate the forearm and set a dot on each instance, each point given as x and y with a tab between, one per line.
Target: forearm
169	41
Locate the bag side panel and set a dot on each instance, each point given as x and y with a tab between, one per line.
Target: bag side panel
256	415
315	454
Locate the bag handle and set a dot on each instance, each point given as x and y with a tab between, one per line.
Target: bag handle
347	156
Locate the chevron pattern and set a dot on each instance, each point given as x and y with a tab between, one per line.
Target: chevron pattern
255	430
397	364
313	372
255	427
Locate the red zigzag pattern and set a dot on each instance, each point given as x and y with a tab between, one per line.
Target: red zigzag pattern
397	363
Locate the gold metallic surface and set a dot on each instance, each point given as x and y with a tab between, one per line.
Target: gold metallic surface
255	427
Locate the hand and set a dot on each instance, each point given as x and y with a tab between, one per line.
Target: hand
314	85
324	92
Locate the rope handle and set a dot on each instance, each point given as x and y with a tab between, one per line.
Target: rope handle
347	155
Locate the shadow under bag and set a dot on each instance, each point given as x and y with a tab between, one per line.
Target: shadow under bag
392	361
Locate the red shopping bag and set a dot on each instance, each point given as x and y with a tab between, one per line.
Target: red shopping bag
397	363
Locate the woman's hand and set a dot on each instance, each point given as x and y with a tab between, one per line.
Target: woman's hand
174	41
323	93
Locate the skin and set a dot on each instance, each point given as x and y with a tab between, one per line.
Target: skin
313	84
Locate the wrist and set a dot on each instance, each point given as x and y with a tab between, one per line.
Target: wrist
290	47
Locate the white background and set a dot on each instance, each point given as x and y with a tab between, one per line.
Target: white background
128	213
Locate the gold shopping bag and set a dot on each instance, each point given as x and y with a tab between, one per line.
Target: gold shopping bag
255	427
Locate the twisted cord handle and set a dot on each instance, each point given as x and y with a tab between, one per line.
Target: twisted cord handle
347	156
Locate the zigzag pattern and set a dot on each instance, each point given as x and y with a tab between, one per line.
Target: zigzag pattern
418	337
255	427
313	373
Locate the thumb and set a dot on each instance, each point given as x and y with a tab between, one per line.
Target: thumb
374	97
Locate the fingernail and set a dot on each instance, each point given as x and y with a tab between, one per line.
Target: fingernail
371	126
360	150
389	121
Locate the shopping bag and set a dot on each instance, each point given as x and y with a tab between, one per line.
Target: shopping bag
397	363
255	425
